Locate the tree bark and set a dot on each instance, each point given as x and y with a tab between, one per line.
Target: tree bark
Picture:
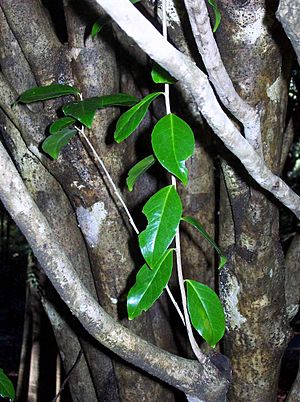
252	284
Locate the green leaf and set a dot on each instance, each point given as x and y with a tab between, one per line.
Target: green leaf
6	386
55	142
197	225
206	312
132	118
47	92
99	24
161	76
149	286
217	14
85	110
135	1
59	124
138	170
173	143
163	211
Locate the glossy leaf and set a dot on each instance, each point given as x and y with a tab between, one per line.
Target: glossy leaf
46	92
206	312
85	110
98	25
59	124
138	170
149	286
55	142
217	14
6	386
197	225
163	211
132	118
173	143
161	76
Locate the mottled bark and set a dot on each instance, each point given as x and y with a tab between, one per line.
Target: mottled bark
253	282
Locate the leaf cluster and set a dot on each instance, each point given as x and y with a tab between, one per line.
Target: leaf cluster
173	144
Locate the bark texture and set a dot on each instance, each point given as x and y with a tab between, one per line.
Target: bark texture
252	283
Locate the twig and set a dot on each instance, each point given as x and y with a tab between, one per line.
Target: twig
68	376
200	356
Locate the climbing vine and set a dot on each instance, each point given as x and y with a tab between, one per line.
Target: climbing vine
172	142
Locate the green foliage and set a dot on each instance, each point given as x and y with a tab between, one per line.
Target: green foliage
163	211
130	120
98	25
6	386
173	143
217	14
206	312
161	76
197	225
149	286
59	124
46	92
55	142
138	170
84	110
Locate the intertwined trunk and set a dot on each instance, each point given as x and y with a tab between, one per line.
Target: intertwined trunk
253	284
81	208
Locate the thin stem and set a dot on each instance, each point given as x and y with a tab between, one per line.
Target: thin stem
118	195
200	356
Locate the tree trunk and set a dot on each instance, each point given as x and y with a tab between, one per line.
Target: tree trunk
253	283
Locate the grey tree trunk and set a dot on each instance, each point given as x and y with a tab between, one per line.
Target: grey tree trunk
252	285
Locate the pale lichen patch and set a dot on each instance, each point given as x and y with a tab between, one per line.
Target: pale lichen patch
91	220
234	318
253	30
75	184
114	300
34	149
274	90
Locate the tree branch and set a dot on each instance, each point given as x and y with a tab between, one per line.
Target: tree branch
186	375
288	14
184	69
207	47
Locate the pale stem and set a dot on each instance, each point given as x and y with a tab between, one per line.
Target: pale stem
120	198
200	356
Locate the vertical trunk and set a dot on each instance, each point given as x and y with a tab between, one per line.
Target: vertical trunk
253	284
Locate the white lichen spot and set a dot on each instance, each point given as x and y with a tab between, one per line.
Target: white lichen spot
75	184
250	32
114	300
234	318
260	303
91	220
74	53
271	273
34	149
292	310
274	91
